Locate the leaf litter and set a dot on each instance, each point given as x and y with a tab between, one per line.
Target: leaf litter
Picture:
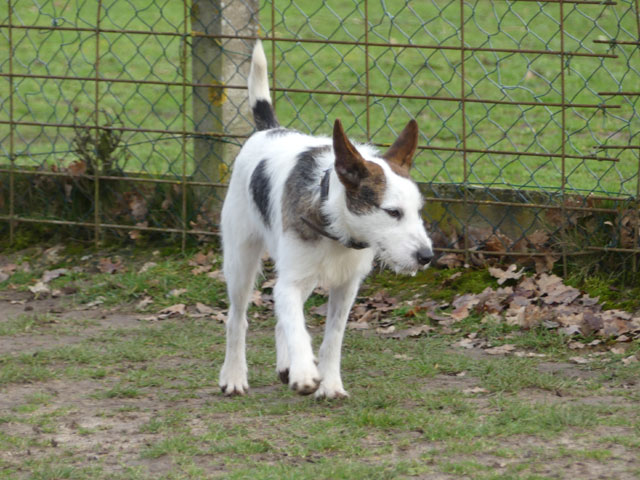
524	301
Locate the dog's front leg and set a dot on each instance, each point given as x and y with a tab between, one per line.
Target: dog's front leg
303	374
340	301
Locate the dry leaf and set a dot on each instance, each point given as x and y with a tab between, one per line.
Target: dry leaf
144	303
509	274
51	254
205	309
39	289
402	356
106	265
465	343
147	266
579	360
501	349
574	345
450	260
173	310
538	238
217	275
201	259
53	274
220	317
386	330
176	292
412	332
358	326
78	167
201	269
137	205
475	390
320	309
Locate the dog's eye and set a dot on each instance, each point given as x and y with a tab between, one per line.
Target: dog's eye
394	213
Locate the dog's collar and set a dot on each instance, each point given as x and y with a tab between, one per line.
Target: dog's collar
320	229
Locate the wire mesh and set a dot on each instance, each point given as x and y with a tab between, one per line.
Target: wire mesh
125	116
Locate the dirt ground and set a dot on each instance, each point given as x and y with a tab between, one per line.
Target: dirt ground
69	414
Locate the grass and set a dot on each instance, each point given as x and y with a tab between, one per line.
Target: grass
406	71
412	411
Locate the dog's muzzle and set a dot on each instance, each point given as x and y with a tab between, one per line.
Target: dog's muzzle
424	256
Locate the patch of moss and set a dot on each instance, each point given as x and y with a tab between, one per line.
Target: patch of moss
432	282
613	294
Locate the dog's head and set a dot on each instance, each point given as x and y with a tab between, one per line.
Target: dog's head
383	204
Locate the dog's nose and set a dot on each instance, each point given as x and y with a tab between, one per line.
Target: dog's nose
424	256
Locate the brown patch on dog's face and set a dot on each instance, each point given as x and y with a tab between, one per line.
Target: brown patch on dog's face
368	195
400	154
364	181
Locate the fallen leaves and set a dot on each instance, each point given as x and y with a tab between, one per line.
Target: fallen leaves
53	274
501	349
39	289
111	266
173	310
200	310
545	300
488	246
176	292
509	274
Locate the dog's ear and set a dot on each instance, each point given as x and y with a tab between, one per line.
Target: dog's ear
350	166
400	154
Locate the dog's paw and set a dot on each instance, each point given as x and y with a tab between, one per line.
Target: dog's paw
283	375
331	392
232	382
304	381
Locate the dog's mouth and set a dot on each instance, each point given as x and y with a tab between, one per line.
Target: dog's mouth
409	270
410	267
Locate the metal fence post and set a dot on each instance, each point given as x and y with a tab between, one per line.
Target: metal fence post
218	60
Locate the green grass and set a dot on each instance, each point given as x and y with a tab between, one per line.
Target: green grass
409	414
406	71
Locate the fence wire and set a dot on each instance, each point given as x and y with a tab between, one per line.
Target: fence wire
123	116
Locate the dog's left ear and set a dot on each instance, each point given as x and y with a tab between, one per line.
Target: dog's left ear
402	150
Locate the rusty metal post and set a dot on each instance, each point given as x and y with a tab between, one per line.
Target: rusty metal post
219	62
12	157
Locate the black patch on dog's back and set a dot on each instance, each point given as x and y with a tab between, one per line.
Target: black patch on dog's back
261	191
301	197
264	116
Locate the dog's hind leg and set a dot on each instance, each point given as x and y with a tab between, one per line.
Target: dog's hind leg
241	264
340	302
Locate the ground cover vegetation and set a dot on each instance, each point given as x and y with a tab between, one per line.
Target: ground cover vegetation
109	362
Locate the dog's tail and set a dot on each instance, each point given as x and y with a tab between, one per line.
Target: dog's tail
259	98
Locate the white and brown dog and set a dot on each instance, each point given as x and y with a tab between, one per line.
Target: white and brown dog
322	208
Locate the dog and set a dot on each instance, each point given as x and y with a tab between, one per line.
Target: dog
323	208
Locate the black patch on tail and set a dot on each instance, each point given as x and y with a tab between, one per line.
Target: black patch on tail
263	115
261	191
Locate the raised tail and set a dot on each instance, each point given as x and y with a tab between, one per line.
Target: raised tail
259	98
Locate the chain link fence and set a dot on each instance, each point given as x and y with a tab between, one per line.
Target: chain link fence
123	116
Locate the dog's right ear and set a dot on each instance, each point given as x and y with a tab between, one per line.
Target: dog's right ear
400	154
350	166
